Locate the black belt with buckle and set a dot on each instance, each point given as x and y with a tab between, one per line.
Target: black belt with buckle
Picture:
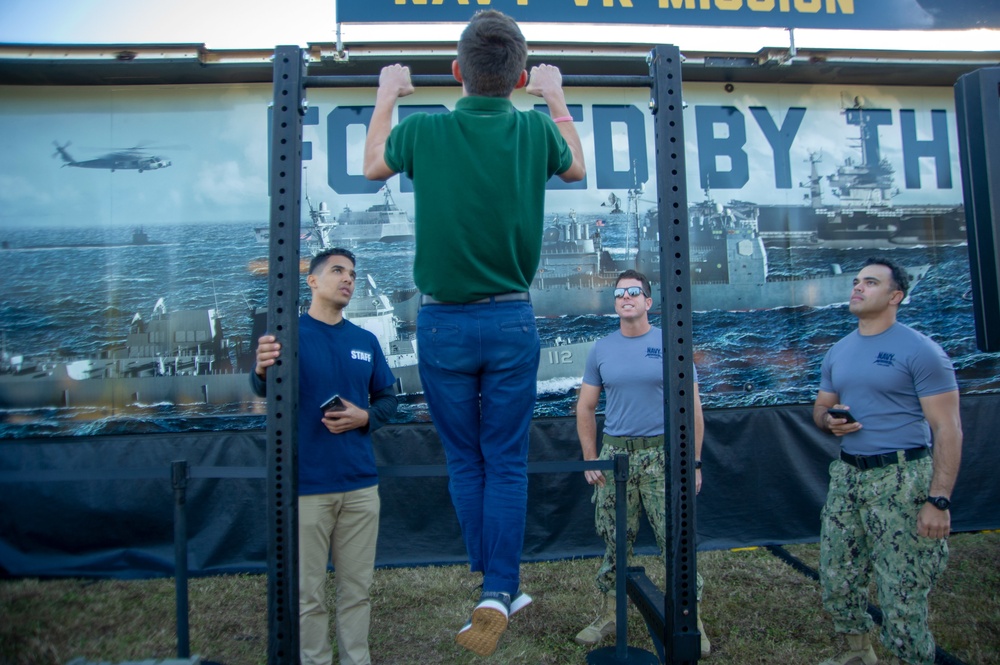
864	462
513	296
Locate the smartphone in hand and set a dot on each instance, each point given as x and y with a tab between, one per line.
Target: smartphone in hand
333	404
842	413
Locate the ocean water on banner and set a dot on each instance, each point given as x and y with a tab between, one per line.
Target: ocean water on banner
72	296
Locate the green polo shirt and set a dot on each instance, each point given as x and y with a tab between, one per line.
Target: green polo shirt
479	175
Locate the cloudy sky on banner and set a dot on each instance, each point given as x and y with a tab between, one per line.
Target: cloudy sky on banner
230	24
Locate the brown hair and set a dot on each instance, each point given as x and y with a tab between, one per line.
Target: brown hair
492	54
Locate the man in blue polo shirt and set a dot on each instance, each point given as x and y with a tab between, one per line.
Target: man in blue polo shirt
890	394
479	175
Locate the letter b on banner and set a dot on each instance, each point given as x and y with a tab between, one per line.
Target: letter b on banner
977	106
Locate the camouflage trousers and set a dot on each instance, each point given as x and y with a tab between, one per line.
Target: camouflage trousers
869	528
644	489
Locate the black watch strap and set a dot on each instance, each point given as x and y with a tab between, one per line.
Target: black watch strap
939	502
697	464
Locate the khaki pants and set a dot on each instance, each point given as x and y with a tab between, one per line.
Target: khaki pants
343	528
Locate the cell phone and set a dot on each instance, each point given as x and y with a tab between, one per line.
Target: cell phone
333	404
842	413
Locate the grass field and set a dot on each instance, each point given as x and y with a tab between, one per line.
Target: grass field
757	609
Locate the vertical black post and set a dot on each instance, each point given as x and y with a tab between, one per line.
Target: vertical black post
283	378
681	638
621	557
179	478
977	109
621	653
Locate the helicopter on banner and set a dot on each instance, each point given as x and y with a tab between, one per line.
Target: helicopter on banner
129	159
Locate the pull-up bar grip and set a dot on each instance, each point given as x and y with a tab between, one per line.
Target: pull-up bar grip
446	80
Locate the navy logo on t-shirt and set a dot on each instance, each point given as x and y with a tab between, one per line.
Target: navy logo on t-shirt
654	352
884	359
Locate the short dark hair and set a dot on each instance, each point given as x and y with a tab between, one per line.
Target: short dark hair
635	274
492	53
321	258
899	277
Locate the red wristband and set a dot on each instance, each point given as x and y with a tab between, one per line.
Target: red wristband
563	118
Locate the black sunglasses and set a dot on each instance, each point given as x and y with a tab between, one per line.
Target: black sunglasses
633	291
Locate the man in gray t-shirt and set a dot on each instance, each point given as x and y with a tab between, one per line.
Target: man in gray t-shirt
628	366
890	394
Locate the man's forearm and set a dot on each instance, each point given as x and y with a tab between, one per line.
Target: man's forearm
382	407
258	384
947	460
378	134
558	108
586	430
699	423
944	417
819	418
568	131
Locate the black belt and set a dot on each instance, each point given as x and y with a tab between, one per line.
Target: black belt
513	296
634	442
864	462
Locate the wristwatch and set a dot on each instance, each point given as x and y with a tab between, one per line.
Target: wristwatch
697	464
939	502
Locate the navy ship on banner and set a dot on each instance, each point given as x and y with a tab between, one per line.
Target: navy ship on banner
728	266
729	263
179	357
312	239
383	222
864	215
139	239
184	358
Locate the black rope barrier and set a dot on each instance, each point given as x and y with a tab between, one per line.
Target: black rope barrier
179	479
133	473
254	472
179	473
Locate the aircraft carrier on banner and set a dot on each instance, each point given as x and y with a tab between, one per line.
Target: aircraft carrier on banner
863	215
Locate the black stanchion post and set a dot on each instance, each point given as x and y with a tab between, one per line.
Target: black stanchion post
621	652
179	478
621	557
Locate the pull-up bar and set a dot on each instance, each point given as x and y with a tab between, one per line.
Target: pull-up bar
680	638
446	80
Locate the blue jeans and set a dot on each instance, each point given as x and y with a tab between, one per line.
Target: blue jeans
479	369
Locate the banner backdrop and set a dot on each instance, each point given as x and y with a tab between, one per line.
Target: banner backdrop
133	229
103	506
820	14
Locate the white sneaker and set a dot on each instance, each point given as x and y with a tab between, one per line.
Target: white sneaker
489	621
519	602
